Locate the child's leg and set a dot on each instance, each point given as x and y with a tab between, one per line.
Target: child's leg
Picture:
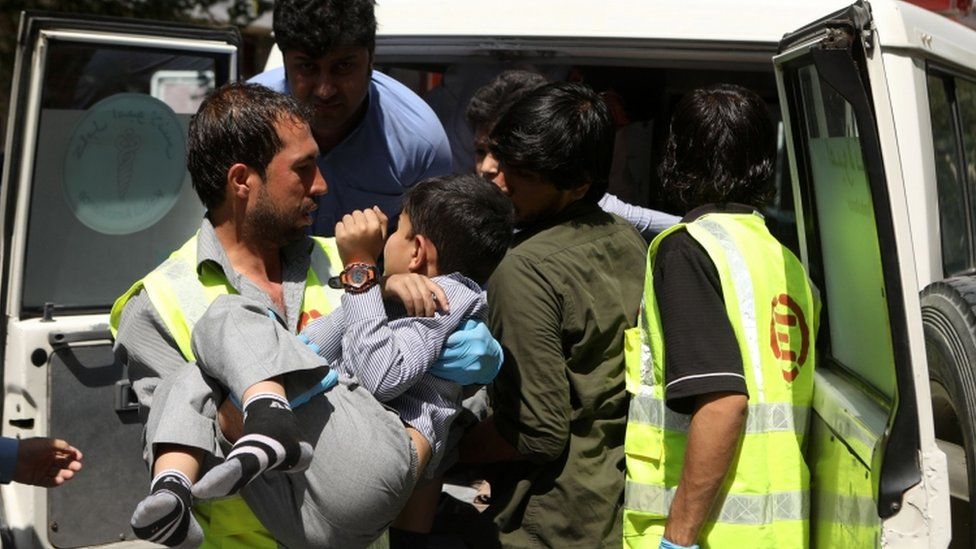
245	350
413	525
271	441
164	516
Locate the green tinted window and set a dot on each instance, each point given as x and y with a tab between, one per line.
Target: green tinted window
952	208
854	290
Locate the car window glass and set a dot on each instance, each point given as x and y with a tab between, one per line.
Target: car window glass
966	98
952	210
110	193
854	292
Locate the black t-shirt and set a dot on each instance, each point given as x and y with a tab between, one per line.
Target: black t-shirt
701	352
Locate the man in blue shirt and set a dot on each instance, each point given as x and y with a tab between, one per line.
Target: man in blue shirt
376	137
39	461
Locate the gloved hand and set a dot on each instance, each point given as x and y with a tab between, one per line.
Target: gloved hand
668	544
165	516
471	355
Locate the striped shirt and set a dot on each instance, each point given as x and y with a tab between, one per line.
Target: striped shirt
390	354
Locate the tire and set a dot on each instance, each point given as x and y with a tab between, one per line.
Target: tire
949	323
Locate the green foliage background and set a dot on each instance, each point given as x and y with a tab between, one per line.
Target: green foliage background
214	12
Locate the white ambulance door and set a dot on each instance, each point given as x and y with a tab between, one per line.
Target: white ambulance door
94	195
877	476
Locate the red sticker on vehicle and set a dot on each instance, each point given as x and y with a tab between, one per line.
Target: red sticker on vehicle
786	325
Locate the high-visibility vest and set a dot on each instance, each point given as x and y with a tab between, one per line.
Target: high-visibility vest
764	501
180	294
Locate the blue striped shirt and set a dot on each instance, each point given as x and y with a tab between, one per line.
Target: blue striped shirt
390	354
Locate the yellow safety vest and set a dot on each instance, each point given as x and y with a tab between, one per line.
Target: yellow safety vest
764	502
180	294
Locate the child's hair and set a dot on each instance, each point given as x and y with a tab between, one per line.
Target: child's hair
467	219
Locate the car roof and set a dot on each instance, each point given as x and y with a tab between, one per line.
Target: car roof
718	20
901	25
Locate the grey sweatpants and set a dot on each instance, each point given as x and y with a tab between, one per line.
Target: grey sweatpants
362	473
364	465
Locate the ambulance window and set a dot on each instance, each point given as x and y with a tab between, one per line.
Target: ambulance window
950	166
852	285
966	98
110	195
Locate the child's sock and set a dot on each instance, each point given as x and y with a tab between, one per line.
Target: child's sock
271	441
164	516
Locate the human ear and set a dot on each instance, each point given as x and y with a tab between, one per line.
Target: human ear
240	180
424	257
579	192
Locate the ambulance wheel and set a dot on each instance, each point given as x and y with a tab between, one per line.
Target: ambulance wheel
949	322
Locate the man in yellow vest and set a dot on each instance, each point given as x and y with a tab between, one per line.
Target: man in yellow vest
720	368
252	160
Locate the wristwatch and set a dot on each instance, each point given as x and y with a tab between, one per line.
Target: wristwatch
356	278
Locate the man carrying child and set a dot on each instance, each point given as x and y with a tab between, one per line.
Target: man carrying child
252	160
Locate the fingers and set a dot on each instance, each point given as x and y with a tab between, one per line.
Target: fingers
384	221
360	235
66	452
438	296
420	295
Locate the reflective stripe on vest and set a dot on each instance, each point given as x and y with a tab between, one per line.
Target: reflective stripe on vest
762	418
750	509
765	501
739	272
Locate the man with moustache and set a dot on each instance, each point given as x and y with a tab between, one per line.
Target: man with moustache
252	161
376	138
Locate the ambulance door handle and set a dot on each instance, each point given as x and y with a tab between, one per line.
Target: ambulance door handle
63	339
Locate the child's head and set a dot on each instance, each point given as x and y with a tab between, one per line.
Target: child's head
456	223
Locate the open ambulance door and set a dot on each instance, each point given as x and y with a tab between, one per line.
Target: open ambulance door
877	477
95	194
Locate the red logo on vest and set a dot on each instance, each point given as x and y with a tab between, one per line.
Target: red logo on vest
307	317
787	318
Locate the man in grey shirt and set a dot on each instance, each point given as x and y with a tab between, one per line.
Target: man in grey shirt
363	443
252	161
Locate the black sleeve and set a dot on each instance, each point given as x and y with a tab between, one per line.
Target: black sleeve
701	352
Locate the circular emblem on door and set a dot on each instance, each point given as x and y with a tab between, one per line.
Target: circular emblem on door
125	164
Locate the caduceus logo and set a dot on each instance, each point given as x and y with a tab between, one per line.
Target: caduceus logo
127	144
789	335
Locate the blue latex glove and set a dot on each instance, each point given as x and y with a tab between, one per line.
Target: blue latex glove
666	544
471	356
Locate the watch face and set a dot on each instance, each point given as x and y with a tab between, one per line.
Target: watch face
358	276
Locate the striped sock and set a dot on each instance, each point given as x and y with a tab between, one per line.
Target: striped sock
272	441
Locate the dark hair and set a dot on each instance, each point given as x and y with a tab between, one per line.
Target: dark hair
468	219
236	124
563	132
721	148
490	102
317	26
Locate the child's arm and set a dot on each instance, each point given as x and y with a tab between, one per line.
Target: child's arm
388	357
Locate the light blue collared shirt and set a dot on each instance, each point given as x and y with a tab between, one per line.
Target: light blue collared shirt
399	142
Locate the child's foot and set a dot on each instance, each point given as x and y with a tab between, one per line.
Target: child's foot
165	516
271	441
